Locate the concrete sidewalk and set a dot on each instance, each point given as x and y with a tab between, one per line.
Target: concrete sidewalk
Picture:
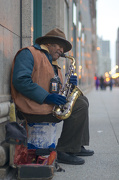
104	140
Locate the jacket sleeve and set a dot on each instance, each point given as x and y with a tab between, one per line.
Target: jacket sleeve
22	80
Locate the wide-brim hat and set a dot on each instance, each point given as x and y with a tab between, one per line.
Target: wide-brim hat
55	36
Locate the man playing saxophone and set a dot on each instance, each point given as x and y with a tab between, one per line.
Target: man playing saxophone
35	83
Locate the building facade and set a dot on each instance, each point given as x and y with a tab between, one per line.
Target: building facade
104	61
87	52
22	21
117	51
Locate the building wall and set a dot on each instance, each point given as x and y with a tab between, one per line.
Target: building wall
117	51
53	17
15	32
104	61
11	41
88	56
9	44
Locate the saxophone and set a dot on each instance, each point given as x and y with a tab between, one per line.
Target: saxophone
68	90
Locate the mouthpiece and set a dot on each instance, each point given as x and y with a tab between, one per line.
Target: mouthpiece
63	55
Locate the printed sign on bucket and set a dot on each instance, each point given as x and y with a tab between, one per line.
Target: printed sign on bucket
41	135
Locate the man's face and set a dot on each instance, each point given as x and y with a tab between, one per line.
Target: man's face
55	51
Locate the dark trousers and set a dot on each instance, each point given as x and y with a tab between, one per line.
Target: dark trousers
75	130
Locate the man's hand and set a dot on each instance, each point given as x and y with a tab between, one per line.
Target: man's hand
73	80
55	99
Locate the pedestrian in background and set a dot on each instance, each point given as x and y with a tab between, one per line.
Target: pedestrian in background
111	83
101	83
97	83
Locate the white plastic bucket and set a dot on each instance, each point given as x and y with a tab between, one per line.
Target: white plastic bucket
41	135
